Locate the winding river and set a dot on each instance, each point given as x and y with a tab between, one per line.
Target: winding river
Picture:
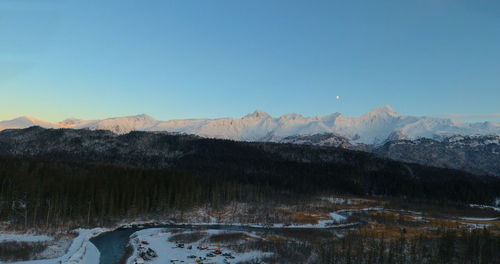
112	245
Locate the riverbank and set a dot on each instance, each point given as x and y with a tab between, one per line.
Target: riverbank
80	251
326	219
189	246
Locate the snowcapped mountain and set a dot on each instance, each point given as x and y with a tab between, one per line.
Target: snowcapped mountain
121	125
24	122
375	127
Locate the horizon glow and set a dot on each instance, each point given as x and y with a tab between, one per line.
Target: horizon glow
212	59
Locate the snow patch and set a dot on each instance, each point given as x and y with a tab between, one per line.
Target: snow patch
158	240
485	207
24	238
81	251
480	218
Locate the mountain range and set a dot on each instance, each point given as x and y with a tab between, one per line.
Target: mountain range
374	128
472	147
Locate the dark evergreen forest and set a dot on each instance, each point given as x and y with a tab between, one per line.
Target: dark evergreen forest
49	177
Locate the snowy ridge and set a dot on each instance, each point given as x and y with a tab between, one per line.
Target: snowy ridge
375	127
24	122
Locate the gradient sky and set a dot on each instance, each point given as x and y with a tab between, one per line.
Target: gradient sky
184	59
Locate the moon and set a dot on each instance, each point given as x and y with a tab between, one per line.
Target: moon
338	97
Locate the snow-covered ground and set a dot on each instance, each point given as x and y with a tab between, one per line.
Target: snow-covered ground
81	251
168	252
4	237
336	200
471	226
350	211
480	218
485	207
335	219
338	218
201	217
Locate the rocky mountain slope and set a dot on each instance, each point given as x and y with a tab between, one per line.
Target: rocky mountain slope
477	154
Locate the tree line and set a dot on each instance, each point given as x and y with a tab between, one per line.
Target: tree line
476	246
47	192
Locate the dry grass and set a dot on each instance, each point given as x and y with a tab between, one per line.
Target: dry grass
229	237
392	232
308	217
443	223
304	234
393	225
494	223
274	238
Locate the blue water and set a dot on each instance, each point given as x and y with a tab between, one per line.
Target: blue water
112	244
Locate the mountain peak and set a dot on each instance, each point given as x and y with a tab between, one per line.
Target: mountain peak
383	110
28	118
144	117
258	114
24	122
373	127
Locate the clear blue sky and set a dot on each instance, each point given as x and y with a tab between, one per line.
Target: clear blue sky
182	59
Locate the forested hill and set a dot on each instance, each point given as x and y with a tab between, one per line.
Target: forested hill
271	166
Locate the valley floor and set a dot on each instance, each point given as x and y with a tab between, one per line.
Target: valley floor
190	246
305	233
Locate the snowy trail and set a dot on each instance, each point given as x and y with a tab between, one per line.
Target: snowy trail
24	238
81	251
